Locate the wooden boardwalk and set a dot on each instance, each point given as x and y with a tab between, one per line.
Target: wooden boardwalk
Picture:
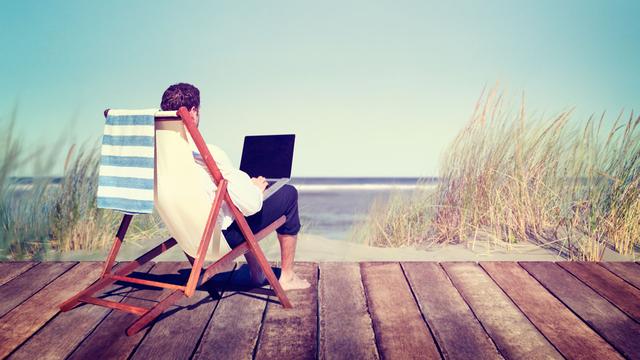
457	310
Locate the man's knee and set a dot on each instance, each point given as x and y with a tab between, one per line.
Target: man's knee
290	192
290	197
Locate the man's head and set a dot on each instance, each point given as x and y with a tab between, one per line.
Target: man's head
182	94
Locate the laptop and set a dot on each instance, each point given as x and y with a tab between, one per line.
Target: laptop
270	156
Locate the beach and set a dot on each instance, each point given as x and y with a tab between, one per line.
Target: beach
319	249
330	208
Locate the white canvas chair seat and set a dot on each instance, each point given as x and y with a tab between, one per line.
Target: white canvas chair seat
181	196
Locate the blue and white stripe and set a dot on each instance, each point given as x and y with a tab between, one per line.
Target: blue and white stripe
127	160
198	158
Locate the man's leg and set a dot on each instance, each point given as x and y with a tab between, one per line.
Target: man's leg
288	278
283	202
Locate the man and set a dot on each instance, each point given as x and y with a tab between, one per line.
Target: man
247	194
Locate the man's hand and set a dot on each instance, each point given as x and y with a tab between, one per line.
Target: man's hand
260	182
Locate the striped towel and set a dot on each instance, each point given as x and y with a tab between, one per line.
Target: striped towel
126	174
198	158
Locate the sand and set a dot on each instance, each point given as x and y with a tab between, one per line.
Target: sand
317	248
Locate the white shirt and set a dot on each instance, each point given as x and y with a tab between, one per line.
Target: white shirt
244	194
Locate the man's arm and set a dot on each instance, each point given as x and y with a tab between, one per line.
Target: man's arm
242	190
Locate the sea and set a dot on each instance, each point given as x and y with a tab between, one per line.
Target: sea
332	206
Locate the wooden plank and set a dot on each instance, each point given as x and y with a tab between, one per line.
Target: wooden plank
400	330
604	282
10	270
611	323
627	270
17	325
572	337
176	332
21	288
346	331
109	340
64	332
511	331
455	328
233	330
292	333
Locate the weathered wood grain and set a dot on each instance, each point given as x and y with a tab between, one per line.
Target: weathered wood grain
346	331
176	333
573	338
512	332
10	270
29	283
233	330
611	323
399	328
21	322
627	270
563	307
292	333
109	340
455	328
604	282
64	332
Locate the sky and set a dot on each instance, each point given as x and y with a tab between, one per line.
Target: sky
370	88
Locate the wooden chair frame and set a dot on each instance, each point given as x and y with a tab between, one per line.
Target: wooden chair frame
197	275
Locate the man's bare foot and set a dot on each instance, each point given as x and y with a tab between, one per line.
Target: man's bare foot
293	282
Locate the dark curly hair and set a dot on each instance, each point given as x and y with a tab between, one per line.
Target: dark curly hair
178	95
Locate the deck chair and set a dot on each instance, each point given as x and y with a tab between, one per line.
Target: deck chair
177	122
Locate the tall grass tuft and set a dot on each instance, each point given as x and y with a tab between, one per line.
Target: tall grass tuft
404	219
544	180
55	215
24	228
77	223
511	177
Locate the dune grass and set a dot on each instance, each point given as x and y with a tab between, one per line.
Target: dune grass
512	177
402	219
56	215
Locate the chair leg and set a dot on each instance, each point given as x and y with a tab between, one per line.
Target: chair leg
108	265
271	277
239	250
75	299
154	312
124	270
262	261
196	267
257	252
117	241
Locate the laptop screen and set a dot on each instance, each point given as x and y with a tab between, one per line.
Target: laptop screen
270	156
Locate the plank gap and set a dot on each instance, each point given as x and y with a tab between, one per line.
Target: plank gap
591	308
482	325
520	309
415	299
318	312
366	303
